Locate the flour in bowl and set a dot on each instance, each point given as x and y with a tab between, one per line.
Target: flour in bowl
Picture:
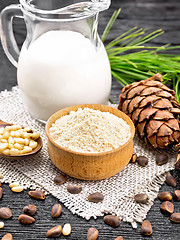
90	131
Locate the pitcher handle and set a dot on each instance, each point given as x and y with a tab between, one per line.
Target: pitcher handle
6	32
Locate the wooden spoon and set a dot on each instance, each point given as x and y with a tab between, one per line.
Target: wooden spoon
34	151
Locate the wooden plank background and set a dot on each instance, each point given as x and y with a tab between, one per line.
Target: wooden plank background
149	14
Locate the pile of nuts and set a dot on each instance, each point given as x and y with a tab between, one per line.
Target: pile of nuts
29	211
16	140
166	207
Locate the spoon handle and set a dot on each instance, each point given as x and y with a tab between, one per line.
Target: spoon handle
2	122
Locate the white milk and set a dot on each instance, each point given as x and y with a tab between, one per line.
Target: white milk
62	68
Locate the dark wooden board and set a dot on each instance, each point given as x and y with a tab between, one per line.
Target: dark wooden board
149	14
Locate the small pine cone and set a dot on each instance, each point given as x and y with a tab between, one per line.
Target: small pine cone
154	110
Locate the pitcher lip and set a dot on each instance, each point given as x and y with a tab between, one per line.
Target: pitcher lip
93	8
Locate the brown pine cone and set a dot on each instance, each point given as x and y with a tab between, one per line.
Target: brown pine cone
154	110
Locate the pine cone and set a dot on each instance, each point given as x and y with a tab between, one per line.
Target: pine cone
154	110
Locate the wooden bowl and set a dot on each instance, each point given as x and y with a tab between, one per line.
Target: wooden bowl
90	166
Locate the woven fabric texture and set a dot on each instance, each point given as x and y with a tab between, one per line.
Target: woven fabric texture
38	172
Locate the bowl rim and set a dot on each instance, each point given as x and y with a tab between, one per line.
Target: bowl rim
132	127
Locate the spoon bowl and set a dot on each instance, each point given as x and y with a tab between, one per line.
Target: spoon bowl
34	151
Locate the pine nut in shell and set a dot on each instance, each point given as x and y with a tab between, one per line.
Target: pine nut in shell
74	189
92	234
26	219
146	228
30	210
60	179
5	213
175	217
56	210
141	198
17	189
112	220
177	195
167	207
66	229
162	159
54	232
142	161
38	195
165	196
1	224
7	236
170	180
96	197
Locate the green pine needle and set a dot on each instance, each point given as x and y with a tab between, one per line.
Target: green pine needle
132	61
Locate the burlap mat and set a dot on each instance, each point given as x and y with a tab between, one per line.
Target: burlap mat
38	173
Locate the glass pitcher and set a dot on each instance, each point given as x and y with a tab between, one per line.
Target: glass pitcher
62	61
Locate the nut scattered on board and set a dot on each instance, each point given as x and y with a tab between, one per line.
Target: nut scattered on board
177	195
112	220
161	159
5	213
1	192
170	180
7	236
1	224
146	228
133	158
141	198
17	189
167	207
119	238
16	140
56	210
30	209
26	219
54	232
92	234
175	217
96	197
38	195
66	229
142	161
60	179
74	189
165	196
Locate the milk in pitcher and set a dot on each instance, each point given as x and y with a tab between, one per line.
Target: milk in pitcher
60	69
